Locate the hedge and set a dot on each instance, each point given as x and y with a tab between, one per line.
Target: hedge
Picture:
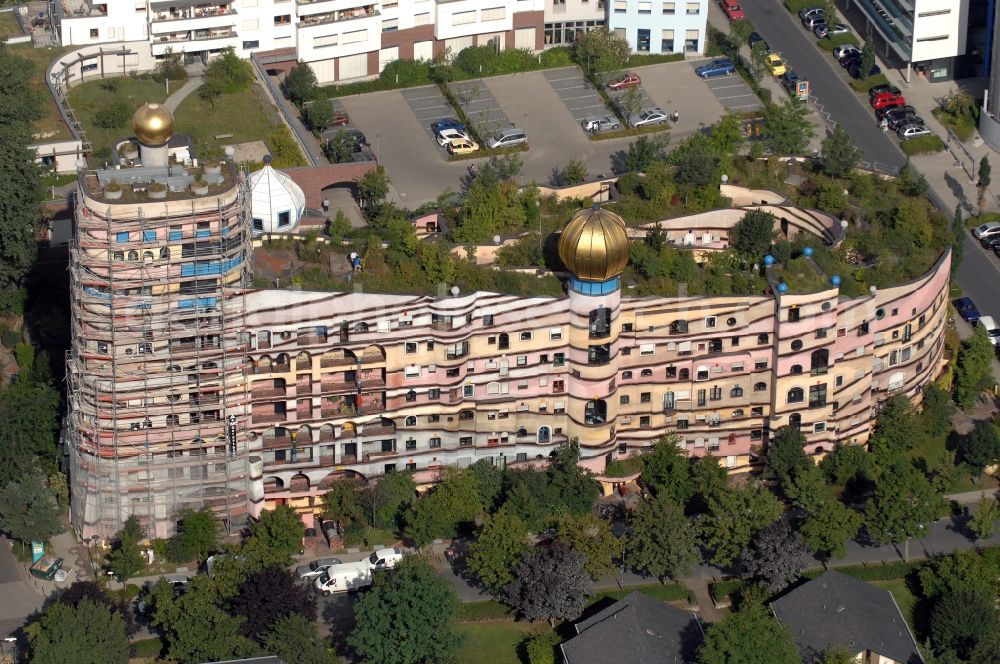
874	572
795	6
864	84
485	611
629	131
485	153
929	144
837	40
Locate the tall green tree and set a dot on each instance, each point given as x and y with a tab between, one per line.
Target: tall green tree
970	570
666	470
733	517
897	429
974	371
301	83
295	640
787	127
961	620
983	518
599	50
29	410
269	595
197	536
229	72
280	531
983	180
838	154
373	189
385	500
903	502
573	486
786	455
981	447
750	636
28	510
936	410
753	233
126	558
88	633
342	502
828	526
867	57
663	543
407	617
497	549
591	535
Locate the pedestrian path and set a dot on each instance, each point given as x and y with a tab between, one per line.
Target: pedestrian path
179	95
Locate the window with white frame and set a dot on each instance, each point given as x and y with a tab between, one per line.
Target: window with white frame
693	8
463	18
647	349
493	14
670	8
326	40
555	334
422	19
353	38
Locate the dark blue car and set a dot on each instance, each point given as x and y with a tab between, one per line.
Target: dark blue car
855	71
720	67
447	123
966	308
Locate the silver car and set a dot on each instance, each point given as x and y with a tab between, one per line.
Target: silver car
649	116
315	568
912	131
599	123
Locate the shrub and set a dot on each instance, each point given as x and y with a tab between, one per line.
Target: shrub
863	84
9	338
560	56
354	534
837	40
170	67
541	648
406	73
923	145
114	114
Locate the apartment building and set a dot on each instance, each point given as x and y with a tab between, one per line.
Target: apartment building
565	20
661	27
340	39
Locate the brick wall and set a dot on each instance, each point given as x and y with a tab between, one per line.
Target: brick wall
314	179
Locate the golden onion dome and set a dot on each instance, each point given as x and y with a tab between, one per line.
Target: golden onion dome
594	246
153	124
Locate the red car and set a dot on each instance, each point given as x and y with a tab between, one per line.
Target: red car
887	99
732	11
627	81
340	120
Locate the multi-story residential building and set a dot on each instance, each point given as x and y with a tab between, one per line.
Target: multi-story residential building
660	27
565	20
188	388
340	39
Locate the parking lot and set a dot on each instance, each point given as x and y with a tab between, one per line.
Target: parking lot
428	105
480	107
576	93
733	93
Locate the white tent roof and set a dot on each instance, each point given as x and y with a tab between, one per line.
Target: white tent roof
273	192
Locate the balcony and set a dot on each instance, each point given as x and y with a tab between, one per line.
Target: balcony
309	20
337	386
200	17
378	430
331	362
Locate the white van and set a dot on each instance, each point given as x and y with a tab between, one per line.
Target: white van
345	578
992	330
384	558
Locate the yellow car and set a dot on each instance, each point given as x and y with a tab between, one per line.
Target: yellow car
462	146
775	64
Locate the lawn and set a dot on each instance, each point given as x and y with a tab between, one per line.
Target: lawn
9	26
91	98
50	126
494	643
247	116
905	598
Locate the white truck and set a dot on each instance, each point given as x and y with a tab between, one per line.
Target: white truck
346	577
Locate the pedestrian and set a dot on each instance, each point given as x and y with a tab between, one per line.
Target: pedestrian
676	116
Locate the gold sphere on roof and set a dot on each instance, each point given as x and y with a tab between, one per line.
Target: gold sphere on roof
594	246
153	124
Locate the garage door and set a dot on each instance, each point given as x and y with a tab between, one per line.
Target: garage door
423	50
524	38
325	70
458	44
387	55
353	66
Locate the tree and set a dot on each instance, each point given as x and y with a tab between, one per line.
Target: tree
342	502
775	557
294	639
983	183
599	50
631	102
911	182
696	162
758	57
787	127
170	67
88	633
497	550
987	512
970	570
211	90
709	478
20	214
126	556
28	510
572	173
550	584
573	487
541	648
385	499
981	447
197	536
867	57
340	148
280	531
407	617
974	371
936	410
663	542
807	488
961	620
301	84
666	470
750	636
733	517
320	114
89	590
489	483
847	464
590	535
837	655
373	189
903	501
838	154
229	72
454	502
753	233
897	428
829	526
268	595
113	114
786	455
641	153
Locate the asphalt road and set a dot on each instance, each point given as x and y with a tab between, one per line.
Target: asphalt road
18	600
979	273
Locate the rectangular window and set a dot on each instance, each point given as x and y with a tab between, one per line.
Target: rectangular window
522	360
422	19
493	14
667	40
390	25
646	397
526	336
645	7
621	6
434	393
356	36
410	347
250	45
434	442
283	19
647	349
555	334
693	8
817	396
644	420
669	8
819	427
710	322
463	18
691	41
642	41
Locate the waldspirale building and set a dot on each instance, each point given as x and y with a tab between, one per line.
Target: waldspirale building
188	388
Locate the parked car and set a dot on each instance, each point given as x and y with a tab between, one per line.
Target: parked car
599	123
834	30
989	228
775	64
842	51
345	578
885	87
732	10
991	242
992	329
385	558
820	30
719	67
648	117
445	136
894	111
625	81
852	59
462	146
447	123
178	583
884	99
755	39
790	81
988	234
967	309
814	21
506	138
340	119
315	568
897	121
855	71
907	132
808	12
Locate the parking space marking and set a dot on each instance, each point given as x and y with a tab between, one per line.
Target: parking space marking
576	93
428	105
733	93
481	109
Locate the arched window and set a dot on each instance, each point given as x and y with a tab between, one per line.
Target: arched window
410	421
544	435
796	395
626	375
147	255
411	396
164	253
503	341
118	255
795	421
763	338
737	413
759	387
303	362
685	374
361	327
796	369
133	255
819	450
595	412
820	361
646	373
736	391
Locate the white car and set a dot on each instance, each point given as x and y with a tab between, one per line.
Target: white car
446	136
989	228
649	116
599	123
912	131
839	52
